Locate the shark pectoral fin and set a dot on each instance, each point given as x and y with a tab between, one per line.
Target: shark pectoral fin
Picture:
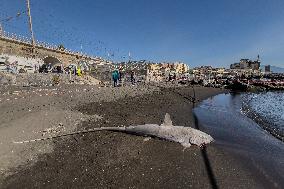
147	139
185	145
167	121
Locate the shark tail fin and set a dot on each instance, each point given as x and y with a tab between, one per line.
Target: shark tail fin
167	121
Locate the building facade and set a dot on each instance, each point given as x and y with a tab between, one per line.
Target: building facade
246	64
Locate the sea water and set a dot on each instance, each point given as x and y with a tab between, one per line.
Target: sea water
232	119
267	109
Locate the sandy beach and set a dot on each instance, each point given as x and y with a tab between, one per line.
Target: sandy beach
109	159
141	94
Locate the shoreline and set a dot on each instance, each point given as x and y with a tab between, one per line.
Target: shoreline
264	122
107	159
241	136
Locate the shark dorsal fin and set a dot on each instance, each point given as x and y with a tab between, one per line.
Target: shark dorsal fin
167	121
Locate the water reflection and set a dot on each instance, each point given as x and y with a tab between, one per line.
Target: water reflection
222	118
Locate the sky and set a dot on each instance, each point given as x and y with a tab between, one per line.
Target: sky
197	32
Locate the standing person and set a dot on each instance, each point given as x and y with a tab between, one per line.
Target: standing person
75	70
115	76
170	77
35	66
175	76
120	74
62	68
49	67
132	77
79	73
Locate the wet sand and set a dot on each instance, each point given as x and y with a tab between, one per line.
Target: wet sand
117	160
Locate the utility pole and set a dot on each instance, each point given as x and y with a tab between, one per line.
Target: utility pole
129	56
1	30
30	24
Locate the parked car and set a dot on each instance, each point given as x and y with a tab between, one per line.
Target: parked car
29	69
3	67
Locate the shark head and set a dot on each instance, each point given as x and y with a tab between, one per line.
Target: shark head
186	136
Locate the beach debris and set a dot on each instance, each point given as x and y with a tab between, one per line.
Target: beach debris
186	136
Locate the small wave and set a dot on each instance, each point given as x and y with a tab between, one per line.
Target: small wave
267	109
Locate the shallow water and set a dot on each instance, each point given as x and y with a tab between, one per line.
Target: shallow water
268	107
223	118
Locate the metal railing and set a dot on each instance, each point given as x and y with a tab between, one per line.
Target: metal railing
40	44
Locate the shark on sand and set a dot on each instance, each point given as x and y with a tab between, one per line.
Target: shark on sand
186	136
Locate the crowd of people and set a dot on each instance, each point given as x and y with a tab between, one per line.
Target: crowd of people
71	69
118	76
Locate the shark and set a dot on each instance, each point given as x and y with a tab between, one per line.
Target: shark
186	136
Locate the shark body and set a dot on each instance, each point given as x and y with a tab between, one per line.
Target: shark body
186	136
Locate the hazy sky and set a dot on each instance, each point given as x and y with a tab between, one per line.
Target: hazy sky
198	32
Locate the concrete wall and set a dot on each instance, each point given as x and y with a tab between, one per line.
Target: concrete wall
17	48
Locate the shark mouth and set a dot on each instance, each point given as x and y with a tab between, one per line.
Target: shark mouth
186	136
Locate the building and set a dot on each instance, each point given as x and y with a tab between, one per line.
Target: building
267	69
164	71
181	68
235	66
246	64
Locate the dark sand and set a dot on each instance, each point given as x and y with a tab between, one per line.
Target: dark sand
118	160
